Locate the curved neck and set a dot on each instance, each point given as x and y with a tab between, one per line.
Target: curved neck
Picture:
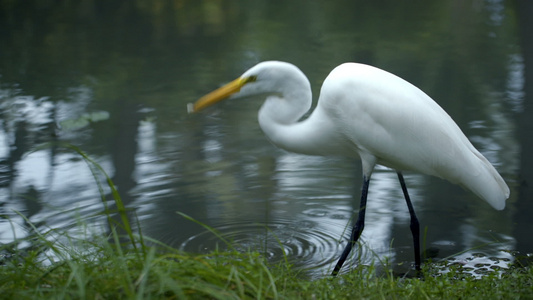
315	135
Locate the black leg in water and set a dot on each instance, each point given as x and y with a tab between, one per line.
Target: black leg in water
357	228
415	225
360	224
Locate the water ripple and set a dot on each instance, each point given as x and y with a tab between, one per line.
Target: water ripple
302	243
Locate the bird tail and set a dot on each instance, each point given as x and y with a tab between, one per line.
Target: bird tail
488	184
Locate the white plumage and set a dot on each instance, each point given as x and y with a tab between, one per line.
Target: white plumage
369	113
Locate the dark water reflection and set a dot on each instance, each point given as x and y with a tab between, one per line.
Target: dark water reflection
142	62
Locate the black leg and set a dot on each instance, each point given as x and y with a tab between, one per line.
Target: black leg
415	226
357	228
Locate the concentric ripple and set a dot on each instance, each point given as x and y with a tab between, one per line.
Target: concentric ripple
303	243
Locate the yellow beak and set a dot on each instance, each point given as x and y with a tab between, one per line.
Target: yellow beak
217	95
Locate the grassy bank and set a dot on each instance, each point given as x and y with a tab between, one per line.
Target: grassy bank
101	269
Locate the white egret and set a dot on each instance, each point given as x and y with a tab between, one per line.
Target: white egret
368	113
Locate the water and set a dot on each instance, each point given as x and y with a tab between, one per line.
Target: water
114	80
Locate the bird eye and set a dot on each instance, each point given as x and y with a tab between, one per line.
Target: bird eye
250	79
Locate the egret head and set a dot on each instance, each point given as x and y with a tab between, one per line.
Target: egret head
266	78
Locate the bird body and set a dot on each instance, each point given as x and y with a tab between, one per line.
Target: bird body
393	123
365	112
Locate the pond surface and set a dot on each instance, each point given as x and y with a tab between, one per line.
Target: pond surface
114	79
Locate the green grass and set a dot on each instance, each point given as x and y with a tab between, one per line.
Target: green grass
99	268
131	266
105	272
